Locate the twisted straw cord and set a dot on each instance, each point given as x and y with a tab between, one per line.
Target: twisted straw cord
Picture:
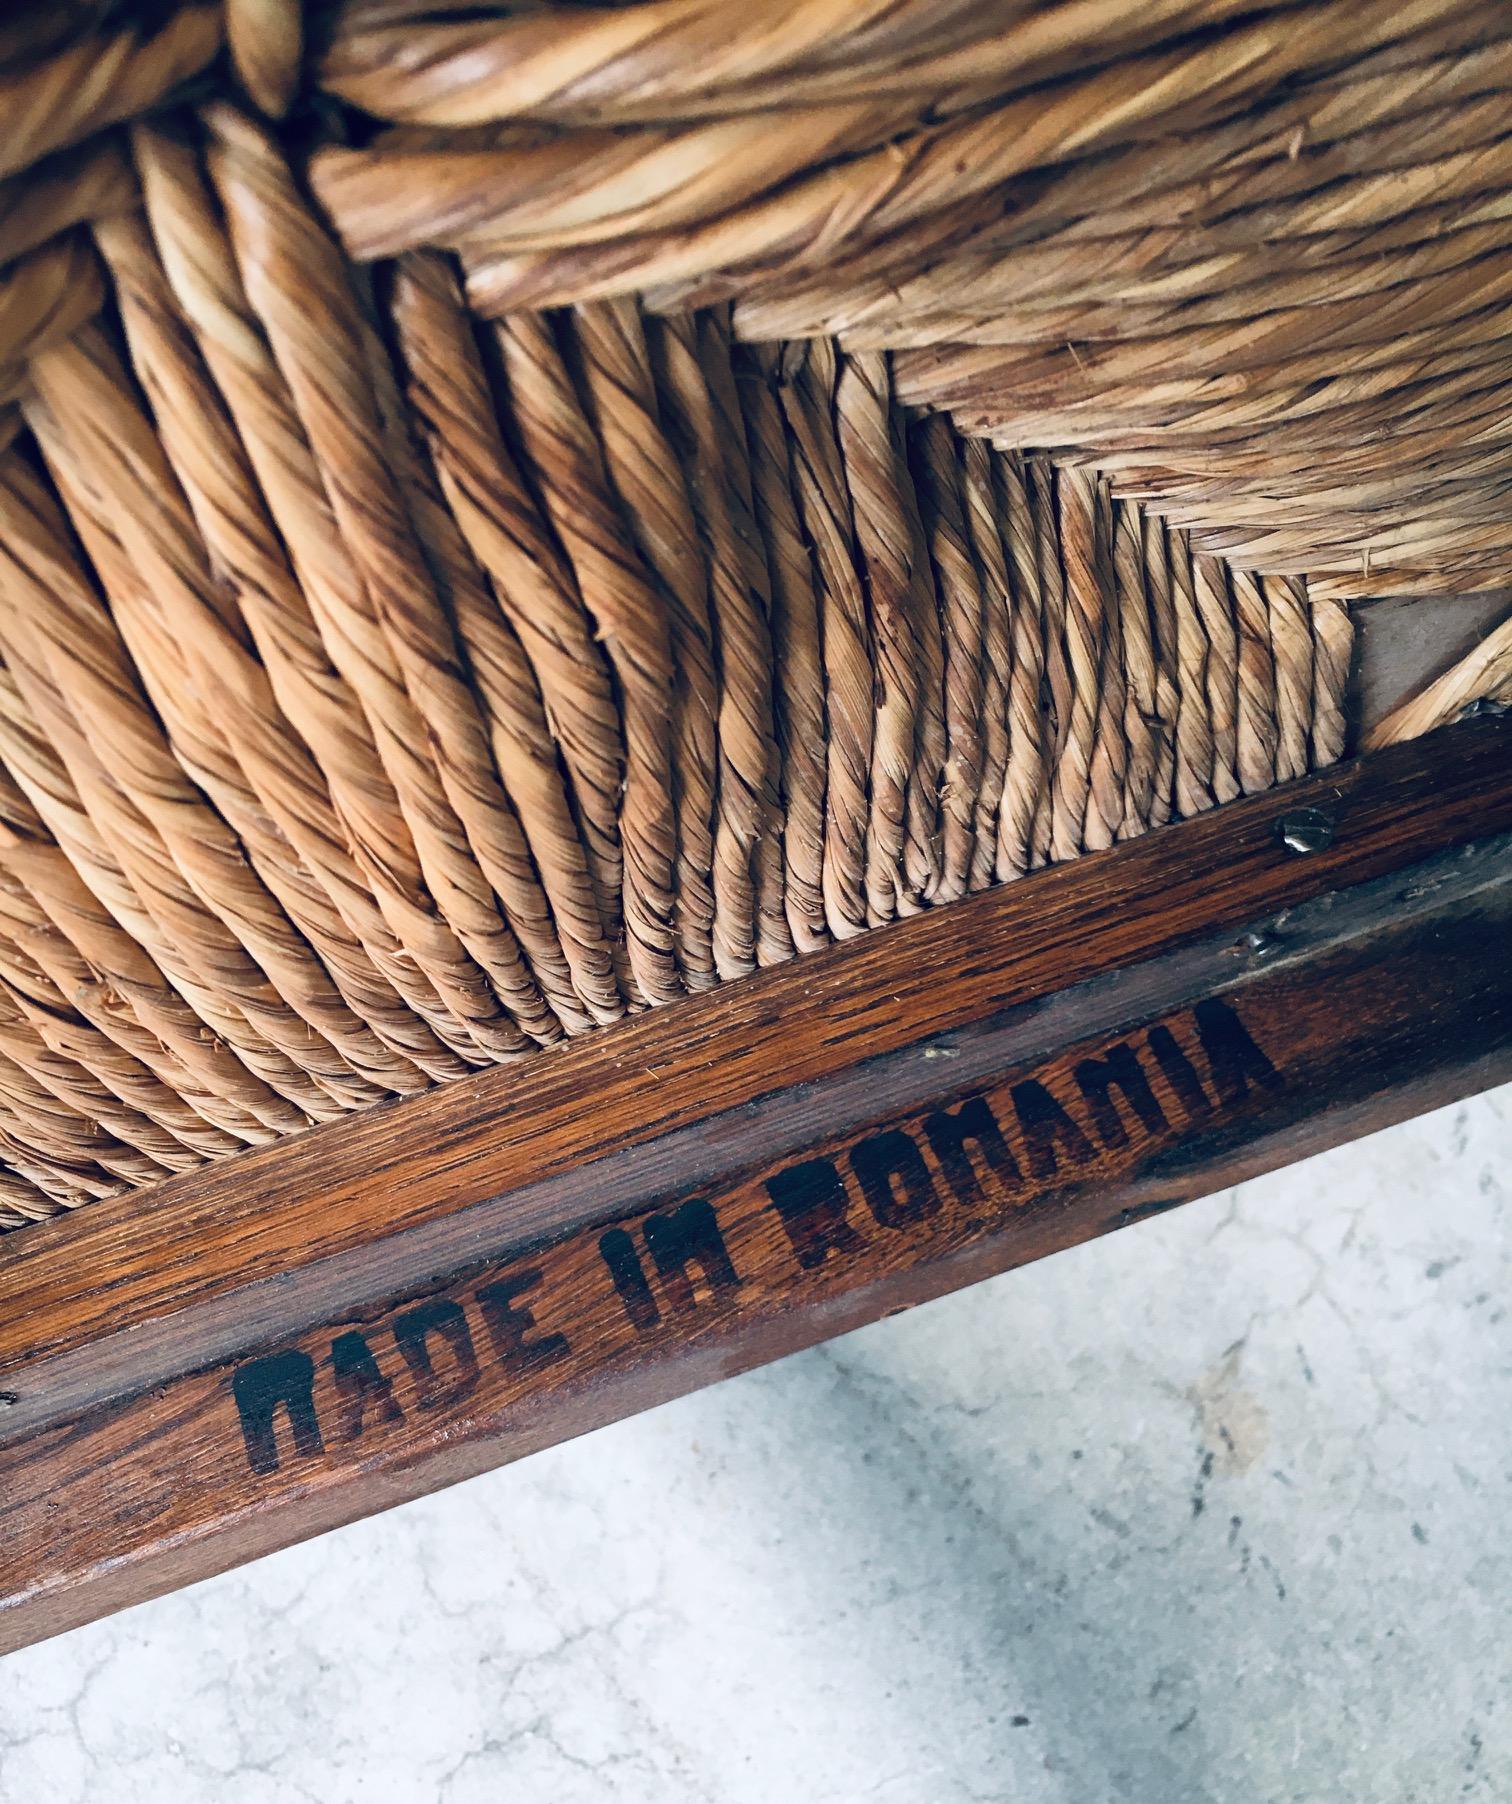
1191	295
53	1131
807	394
593	188
860	201
1376	325
774	942
127	867
195	635
266	42
98	80
1023	824
66	1182
528	595
957	582
900	866
568	471
379	697
687	58
1372	182
183	863
1459	575
81	644
1223	412
927	780
1194	727
1333	644
75	187
1083	629
1255	723
121	990
1163	551
1464	437
706	426
21	1202
18	819
162	590
984	511
1465	486
1066	246
67	1008
45	297
538	596
1142	725
1058	690
399	653
63	1189
72	1096
1292	650
305	628
1302	138
1108	775
1163	279
1216	611
486	806
798	676
614	360
1356	561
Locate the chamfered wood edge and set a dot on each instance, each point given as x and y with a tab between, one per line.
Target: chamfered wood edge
1364	1009
129	1292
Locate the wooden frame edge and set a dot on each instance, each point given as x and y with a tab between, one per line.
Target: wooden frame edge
952	1111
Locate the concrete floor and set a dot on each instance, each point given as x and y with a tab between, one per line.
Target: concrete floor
1212	1512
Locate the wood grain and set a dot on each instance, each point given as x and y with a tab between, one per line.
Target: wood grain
133	1289
384	1308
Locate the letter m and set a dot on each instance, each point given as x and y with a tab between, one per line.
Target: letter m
260	1387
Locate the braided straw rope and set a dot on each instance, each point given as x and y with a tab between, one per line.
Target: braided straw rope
513	516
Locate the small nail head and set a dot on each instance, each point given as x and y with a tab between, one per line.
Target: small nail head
1306	830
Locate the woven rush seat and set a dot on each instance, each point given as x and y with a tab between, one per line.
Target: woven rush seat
512	517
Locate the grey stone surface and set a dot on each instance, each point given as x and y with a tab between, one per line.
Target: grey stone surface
1212	1512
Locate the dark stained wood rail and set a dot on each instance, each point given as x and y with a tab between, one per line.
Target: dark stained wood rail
262	1350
